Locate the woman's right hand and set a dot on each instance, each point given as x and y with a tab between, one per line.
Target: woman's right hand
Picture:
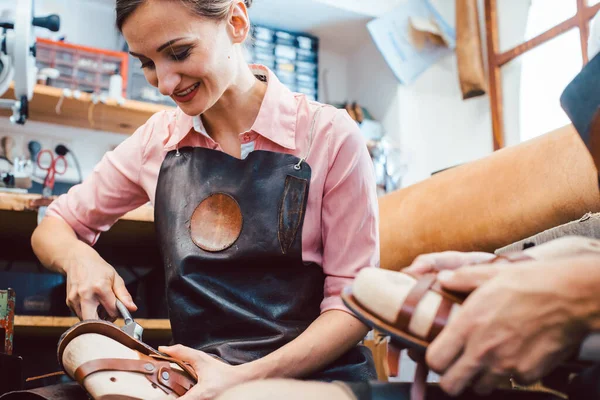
91	282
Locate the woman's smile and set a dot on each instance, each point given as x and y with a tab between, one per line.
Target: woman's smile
186	95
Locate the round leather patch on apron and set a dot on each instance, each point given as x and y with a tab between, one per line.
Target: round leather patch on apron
216	223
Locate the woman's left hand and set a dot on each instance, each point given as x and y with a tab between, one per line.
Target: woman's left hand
214	376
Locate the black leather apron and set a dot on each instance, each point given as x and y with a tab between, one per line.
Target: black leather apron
230	233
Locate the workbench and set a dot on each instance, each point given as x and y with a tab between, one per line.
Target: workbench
131	241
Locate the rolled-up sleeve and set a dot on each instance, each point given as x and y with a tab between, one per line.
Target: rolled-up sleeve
109	192
350	211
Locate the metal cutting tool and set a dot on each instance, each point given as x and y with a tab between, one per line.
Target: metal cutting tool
131	327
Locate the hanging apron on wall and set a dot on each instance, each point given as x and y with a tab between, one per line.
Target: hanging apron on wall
230	234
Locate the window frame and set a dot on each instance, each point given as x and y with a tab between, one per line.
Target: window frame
496	59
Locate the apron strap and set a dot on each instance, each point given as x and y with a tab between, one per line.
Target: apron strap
310	138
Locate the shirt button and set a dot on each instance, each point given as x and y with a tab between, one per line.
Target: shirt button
246	137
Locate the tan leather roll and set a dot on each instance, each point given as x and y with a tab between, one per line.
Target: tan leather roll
489	203
469	53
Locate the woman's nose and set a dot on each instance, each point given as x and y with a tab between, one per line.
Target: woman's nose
168	80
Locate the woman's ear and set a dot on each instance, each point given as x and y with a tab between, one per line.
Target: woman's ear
239	22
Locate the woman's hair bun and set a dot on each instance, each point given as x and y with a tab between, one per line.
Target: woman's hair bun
248	3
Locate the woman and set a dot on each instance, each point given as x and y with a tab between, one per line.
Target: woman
265	207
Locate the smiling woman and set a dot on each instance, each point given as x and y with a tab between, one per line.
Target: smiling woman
188	58
265	207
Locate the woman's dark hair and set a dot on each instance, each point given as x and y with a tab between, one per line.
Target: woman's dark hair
215	9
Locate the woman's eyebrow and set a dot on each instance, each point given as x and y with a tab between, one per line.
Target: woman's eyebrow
169	43
160	48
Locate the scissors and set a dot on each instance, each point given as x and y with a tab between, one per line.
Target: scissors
54	165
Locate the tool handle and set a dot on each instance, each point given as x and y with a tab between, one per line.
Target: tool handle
51	22
124	311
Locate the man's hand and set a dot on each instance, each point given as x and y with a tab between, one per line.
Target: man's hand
435	262
214	376
522	321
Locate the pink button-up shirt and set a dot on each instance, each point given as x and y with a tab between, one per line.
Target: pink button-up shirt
341	222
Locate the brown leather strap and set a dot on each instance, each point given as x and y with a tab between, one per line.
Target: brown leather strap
185	366
392	360
412	300
159	373
174	380
113	364
35	378
441	318
419	387
511	258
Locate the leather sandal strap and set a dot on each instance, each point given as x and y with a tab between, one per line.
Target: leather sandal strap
112	364
392	359
158	372
174	380
412	300
184	366
441	318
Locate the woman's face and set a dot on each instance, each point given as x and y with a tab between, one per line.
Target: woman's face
187	57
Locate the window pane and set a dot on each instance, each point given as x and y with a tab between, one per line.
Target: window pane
533	83
520	20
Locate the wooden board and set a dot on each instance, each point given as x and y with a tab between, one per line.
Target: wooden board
82	113
31	325
30	203
130	241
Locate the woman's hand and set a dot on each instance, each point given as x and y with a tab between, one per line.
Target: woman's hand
91	281
214	376
521	321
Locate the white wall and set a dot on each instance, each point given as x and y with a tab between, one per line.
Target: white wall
85	22
333	75
428	119
89	146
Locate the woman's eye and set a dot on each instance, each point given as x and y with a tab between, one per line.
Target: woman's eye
181	55
148	64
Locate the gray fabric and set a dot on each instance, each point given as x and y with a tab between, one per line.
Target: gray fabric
588	226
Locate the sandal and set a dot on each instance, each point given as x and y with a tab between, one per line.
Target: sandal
413	310
109	363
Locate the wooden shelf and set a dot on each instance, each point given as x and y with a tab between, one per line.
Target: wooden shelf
31	203
130	241
25	324
82	113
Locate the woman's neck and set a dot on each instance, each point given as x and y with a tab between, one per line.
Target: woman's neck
237	109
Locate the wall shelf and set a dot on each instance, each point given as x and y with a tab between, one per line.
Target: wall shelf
82	113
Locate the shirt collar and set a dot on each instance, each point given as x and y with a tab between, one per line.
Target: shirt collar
276	119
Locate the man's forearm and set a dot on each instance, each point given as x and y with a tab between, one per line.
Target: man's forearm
326	339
